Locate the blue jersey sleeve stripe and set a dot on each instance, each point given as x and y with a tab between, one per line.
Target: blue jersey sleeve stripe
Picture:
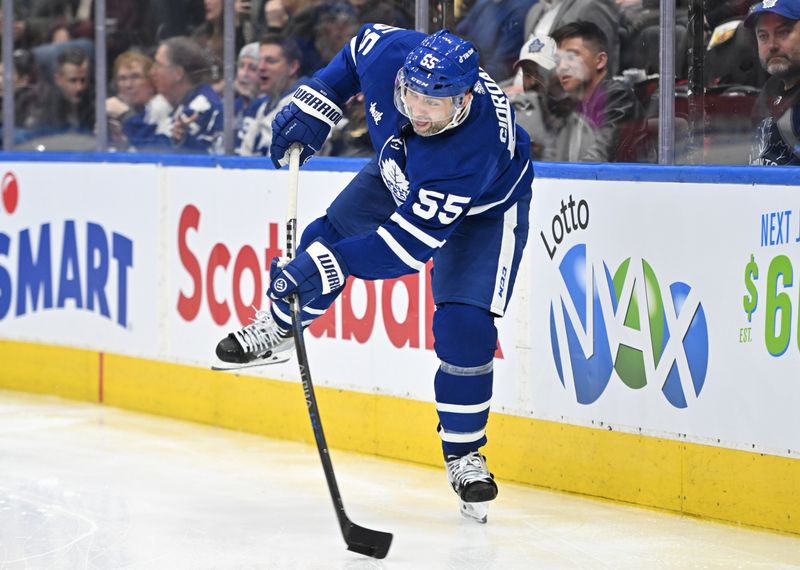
410	228
399	250
480	209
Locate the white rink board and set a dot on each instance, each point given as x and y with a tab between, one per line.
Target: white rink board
100	200
699	234
378	340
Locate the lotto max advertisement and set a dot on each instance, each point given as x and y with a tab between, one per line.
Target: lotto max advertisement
669	309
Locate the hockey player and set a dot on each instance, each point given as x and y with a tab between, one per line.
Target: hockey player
451	181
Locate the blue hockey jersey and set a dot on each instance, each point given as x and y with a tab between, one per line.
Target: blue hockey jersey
478	168
203	133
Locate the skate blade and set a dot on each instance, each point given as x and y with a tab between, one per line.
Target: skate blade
478	512
274	359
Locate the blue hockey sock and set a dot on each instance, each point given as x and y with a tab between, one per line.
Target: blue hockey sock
465	343
463	414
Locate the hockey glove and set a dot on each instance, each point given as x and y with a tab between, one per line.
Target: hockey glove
307	120
316	271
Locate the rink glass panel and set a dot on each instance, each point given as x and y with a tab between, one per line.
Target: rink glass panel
716	69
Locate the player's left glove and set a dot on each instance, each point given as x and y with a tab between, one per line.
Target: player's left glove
306	120
316	271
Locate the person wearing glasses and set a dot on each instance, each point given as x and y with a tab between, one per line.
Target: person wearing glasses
136	107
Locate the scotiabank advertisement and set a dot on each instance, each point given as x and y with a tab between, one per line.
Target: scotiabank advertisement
225	228
79	253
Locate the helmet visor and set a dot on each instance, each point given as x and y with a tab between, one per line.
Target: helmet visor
429	115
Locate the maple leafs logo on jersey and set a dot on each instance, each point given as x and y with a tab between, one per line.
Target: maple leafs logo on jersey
392	164
376	115
395	179
200	104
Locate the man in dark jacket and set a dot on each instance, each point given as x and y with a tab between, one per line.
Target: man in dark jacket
67	101
777	110
607	121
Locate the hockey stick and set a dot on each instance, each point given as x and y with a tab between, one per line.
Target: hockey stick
358	539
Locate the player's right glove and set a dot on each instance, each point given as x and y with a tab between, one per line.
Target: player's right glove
316	271
307	120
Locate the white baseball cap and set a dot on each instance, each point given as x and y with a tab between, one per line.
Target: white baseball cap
540	50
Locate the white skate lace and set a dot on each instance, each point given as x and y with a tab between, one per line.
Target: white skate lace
262	334
467	469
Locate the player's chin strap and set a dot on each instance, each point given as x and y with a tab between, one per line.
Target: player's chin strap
459	117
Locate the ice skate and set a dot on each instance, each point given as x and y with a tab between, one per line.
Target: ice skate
478	512
473	483
261	342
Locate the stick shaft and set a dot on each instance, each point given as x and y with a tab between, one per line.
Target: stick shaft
291	207
300	345
358	539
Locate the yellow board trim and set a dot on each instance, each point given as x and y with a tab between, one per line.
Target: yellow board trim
699	480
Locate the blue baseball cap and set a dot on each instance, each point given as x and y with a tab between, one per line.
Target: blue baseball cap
789	9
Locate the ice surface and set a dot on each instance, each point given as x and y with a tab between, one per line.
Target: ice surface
85	486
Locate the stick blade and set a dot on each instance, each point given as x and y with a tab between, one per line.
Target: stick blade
368	542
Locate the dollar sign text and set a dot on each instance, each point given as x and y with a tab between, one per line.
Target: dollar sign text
750	301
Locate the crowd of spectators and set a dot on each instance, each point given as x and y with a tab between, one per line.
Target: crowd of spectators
585	79
582	74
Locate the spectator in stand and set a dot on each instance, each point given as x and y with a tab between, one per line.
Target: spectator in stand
130	26
246	86
35	18
291	17
777	110
392	13
607	118
59	33
731	58
640	35
180	73
210	33
276	15
496	28
336	25
351	136
136	108
300	21
540	102
246	83
281	16
278	72
67	104
20	28
176	17
25	97
548	15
